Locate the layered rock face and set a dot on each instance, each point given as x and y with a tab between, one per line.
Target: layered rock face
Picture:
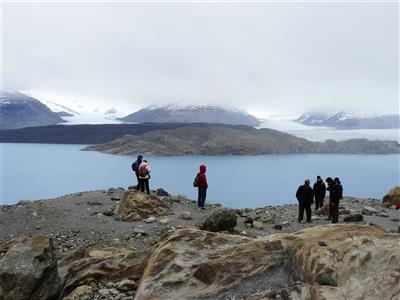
136	206
393	197
101	263
337	261
28	269
324	262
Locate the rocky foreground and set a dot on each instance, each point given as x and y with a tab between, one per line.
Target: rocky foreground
119	244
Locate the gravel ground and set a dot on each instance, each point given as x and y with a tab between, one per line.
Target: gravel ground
77	219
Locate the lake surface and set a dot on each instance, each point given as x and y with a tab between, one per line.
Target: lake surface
41	171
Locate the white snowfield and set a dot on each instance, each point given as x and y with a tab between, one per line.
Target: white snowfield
320	134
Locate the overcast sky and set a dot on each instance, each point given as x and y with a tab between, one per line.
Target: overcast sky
266	58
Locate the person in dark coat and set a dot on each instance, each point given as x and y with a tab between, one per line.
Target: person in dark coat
337	194
135	169
330	183
319	189
305	196
202	186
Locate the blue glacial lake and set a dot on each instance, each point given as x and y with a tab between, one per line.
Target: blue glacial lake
41	171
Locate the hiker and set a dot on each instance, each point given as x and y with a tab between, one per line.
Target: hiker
135	168
305	197
319	190
337	196
329	181
200	182
144	176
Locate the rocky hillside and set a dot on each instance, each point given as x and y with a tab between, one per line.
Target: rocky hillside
126	245
344	120
192	114
18	110
236	141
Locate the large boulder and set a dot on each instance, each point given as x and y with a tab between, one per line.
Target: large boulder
369	211
220	219
354	218
101	263
28	269
393	197
136	206
358	262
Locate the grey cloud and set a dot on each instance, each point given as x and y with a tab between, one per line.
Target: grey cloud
266	58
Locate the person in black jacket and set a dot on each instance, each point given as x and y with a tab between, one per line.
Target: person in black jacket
135	169
319	192
337	193
305	196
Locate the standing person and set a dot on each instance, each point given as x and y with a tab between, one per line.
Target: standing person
329	181
319	190
135	168
144	176
305	197
337	196
201	183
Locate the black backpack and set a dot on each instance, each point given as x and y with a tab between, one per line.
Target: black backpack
135	167
196	181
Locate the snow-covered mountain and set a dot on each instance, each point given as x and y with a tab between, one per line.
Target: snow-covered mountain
181	113
18	110
347	120
75	113
61	110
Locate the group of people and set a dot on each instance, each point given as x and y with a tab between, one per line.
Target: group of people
306	194
142	170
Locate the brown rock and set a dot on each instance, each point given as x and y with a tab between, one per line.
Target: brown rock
324	210
28	270
361	260
136	206
220	219
258	225
393	196
25	202
103	263
126	285
354	218
186	215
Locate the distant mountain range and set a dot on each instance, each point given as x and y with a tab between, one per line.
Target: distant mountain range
222	140
345	120
18	111
185	139
192	114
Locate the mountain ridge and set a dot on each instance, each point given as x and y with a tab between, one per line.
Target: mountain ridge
19	110
349	120
182	113
235	141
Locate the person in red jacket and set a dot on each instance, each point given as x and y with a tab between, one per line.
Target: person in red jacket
202	186
398	205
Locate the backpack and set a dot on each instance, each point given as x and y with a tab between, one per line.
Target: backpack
143	170
196	181
135	167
